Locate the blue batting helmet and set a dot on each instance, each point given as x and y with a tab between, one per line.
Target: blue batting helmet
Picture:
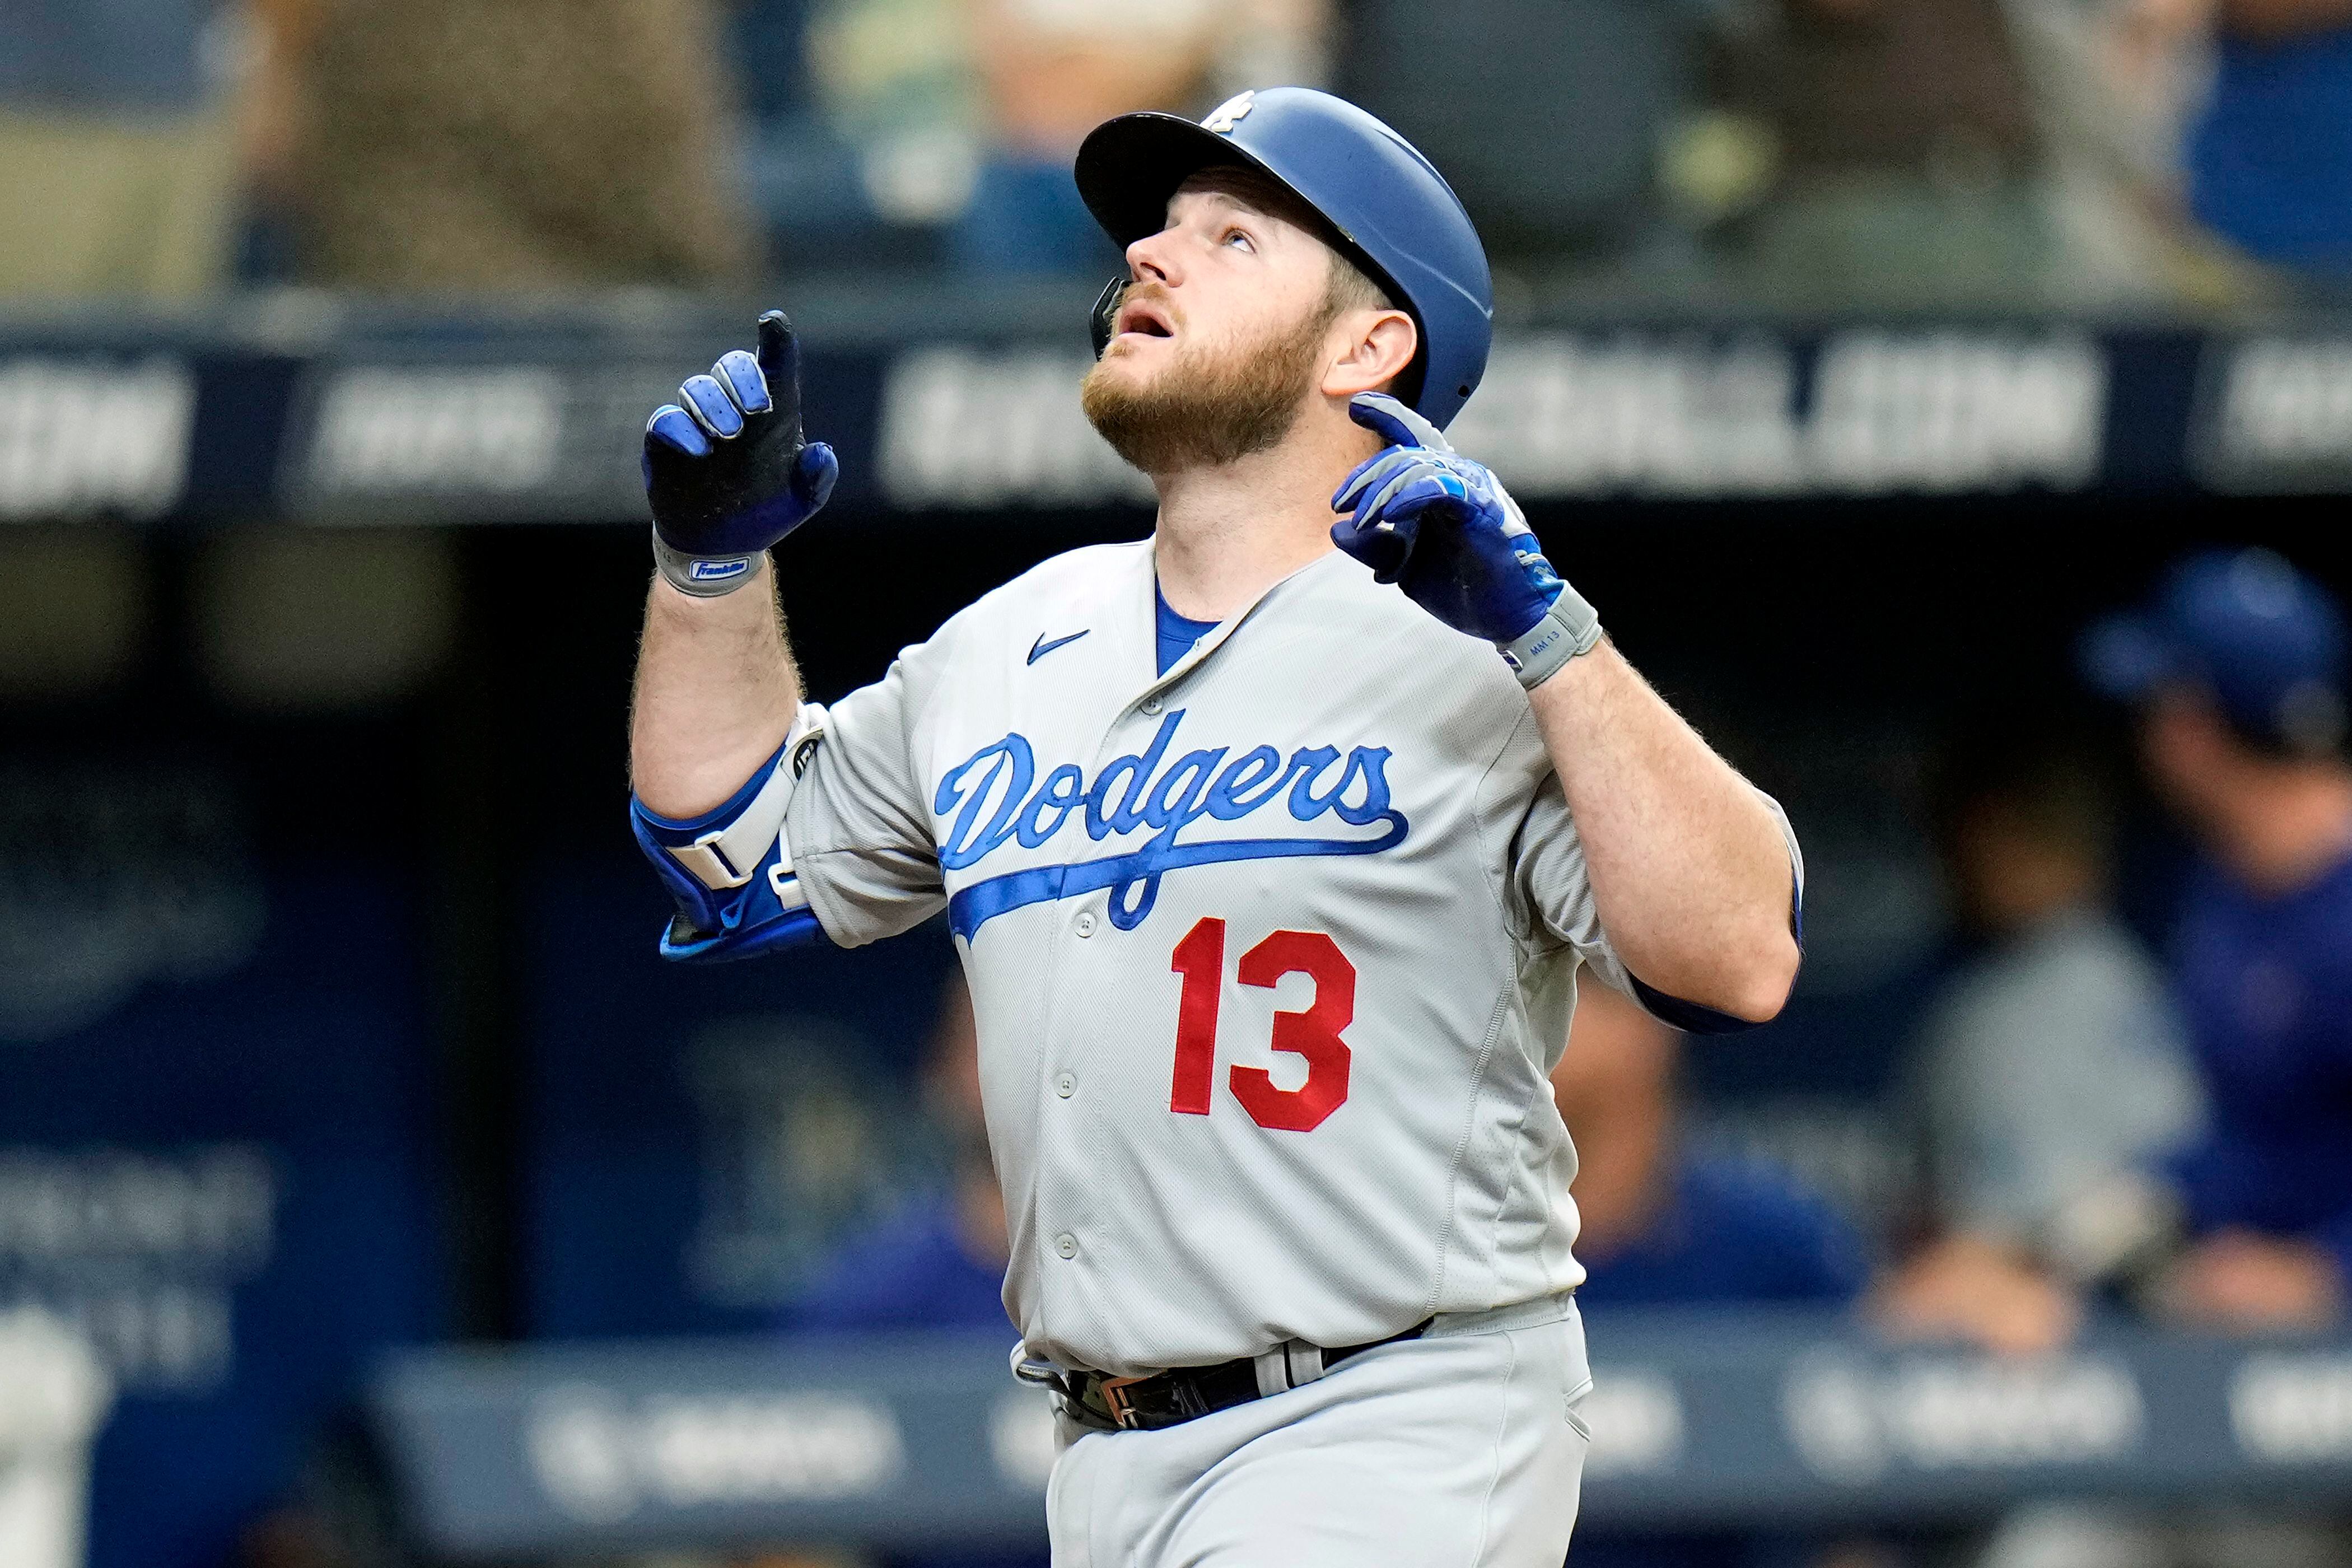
2266	644
1392	213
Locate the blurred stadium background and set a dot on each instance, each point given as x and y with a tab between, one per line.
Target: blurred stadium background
370	1196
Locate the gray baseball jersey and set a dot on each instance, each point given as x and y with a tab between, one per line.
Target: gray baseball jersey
1270	954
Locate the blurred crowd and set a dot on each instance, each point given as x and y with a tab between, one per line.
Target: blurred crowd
1880	152
2111	1115
2102	1133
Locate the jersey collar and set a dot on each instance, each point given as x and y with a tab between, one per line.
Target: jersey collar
1145	607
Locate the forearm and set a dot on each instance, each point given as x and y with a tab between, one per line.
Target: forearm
1689	870
716	692
1689	874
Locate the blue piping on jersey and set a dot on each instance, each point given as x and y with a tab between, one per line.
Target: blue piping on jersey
1135	878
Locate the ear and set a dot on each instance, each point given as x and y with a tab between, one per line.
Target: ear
1371	349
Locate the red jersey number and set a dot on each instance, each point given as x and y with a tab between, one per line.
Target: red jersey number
1313	1033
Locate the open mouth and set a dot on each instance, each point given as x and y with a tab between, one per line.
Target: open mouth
1145	317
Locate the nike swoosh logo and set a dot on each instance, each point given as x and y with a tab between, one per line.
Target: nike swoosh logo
1041	648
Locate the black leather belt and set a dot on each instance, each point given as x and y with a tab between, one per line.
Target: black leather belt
1170	1398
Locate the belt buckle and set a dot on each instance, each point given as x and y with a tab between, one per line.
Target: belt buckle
1114	1393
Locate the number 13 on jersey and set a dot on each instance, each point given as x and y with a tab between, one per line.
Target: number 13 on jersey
1313	1033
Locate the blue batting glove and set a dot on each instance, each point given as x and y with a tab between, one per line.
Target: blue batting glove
1445	530
727	468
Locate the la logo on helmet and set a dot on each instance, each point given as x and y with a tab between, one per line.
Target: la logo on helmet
1222	119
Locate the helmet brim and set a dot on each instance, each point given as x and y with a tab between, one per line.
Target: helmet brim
1129	166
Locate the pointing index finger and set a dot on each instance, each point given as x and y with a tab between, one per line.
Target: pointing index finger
779	356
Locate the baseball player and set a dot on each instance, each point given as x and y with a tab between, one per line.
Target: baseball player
1273	847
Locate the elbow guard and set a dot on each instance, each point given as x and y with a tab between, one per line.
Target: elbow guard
731	870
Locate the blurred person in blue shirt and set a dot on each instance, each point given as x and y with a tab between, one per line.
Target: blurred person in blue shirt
1048	71
2236	673
950	125
1663	1224
940	1262
2270	161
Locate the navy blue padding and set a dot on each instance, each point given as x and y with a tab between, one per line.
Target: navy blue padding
715	925
702	907
1691	1017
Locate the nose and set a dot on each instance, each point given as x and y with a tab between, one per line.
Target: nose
1153	259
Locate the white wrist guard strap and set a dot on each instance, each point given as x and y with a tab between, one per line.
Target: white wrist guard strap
1570	628
727	856
704	577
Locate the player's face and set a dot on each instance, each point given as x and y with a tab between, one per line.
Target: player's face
2190	756
1220	340
1223	278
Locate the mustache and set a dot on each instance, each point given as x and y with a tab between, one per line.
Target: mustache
1151	291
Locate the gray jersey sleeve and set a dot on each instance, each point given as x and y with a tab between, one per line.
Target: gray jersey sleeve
858	824
1551	890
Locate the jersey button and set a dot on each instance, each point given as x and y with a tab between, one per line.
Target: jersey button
1085	923
1065	1086
1150	705
1066	1245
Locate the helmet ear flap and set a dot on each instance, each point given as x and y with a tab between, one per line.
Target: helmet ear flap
1105	314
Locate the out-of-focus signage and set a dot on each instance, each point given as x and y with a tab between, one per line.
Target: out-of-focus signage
936	410
1698	1418
92	433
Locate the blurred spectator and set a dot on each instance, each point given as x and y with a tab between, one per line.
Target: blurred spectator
2237	672
1048	72
1662	1226
1906	154
1957	152
1597	85
2053	1061
1894	152
2116	85
862	144
437	145
118	146
2270	161
940	1262
963	115
976	107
